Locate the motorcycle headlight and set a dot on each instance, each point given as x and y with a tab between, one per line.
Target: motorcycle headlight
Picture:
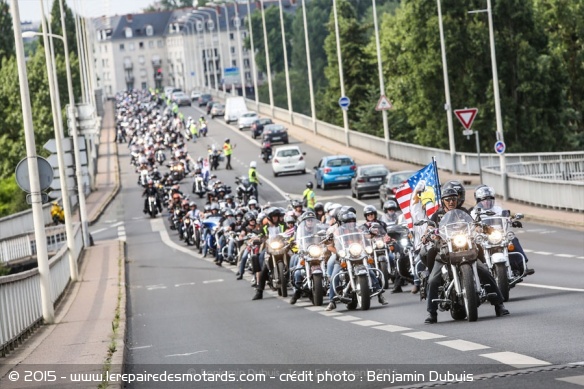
355	249
342	253
276	245
495	237
369	249
459	241
379	244
403	242
314	251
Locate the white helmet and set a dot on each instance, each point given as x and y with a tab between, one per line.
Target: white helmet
252	164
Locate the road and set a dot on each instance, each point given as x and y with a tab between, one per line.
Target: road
184	312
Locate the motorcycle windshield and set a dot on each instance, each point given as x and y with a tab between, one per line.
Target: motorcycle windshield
350	239
398	231
453	223
211	222
306	233
496	222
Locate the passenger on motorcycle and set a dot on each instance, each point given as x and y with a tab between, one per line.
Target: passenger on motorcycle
319	212
297	207
391	213
228	223
273	220
451	200
249	226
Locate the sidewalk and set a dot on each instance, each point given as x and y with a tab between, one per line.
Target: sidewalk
89	329
532	213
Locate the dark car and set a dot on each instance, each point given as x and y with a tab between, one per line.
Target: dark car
257	127
367	180
275	133
204	99
391	183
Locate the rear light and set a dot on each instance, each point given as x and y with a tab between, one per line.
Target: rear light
353	167
301	158
275	160
361	180
327	170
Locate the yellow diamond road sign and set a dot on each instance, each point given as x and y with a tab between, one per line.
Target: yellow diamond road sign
383	104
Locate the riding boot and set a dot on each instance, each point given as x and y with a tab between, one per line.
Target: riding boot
500	310
295	297
258	295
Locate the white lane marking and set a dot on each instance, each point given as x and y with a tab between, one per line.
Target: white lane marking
315	309
552	287
183	284
462	345
330	313
392	328
117	224
213	281
139	347
516	360
346	318
576	380
303	304
542	253
186	354
423	335
367	323
122	233
154	287
100	230
565	255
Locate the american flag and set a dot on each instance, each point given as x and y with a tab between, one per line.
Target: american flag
404	194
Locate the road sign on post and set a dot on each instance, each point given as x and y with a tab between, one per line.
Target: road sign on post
500	147
344	102
466	116
383	104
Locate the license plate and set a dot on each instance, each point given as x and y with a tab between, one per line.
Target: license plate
375	179
289	167
275	138
341	178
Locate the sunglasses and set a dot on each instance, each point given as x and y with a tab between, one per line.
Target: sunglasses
450	199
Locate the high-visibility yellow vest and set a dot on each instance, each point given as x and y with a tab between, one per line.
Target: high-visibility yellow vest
227	149
252	176
310	198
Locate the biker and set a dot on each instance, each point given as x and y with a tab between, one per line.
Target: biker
391	213
253	178
450	201
308	196
249	226
228	224
311	222
297	206
320	212
485	196
273	220
150	190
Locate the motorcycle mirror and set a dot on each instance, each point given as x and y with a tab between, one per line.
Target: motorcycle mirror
490	213
519	216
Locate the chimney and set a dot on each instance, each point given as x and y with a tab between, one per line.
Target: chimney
129	18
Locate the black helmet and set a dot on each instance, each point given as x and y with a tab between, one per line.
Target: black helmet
348	217
318	207
448	192
226	140
271	212
390	204
369	209
306	215
309	184
459	190
250	216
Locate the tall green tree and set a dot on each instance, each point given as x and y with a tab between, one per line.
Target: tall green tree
6	32
57	29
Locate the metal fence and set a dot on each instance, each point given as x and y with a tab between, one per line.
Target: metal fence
554	180
24	245
20	301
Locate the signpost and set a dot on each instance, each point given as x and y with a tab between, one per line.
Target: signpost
383	104
231	76
344	102
466	116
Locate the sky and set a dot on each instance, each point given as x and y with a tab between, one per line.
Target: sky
30	10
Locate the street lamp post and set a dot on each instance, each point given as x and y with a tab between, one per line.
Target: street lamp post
253	63
342	82
267	50
221	64
288	94
35	186
309	67
200	28
381	83
239	51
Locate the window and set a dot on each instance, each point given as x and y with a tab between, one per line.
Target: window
234	63
248	76
231	36
128	32
149	30
144	85
141	45
246	62
141	59
122	48
151	44
160	43
232	50
143	73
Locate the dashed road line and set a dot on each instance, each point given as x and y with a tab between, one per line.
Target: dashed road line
576	380
367	323
122	233
346	318
552	287
423	335
392	328
515	360
462	345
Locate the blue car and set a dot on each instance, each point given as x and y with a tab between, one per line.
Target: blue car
334	170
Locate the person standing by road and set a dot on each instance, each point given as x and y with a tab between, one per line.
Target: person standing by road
253	178
308	197
228	150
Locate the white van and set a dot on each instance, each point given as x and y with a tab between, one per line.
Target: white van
234	108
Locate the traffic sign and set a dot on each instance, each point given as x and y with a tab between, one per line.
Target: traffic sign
45	174
466	116
499	147
383	104
344	102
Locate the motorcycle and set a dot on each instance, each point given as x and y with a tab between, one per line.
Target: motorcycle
496	241
214	159
381	255
152	206
277	257
160	157
266	151
402	246
461	292
230	238
199	186
210	225
354	280
244	189
312	262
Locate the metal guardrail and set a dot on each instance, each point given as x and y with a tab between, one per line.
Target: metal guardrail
20	301
554	180
24	245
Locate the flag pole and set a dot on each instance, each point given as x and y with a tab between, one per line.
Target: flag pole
439	186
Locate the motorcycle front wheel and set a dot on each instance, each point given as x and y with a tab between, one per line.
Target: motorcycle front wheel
317	290
469	293
383	266
502	280
283	280
363	292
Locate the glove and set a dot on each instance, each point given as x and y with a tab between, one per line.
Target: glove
517	224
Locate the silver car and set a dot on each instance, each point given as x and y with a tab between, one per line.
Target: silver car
246	120
217	109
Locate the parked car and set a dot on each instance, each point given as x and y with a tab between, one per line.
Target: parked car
181	98
246	120
169	90
195	95
275	133
391	183
217	109
204	99
334	170
367	180
257	127
287	159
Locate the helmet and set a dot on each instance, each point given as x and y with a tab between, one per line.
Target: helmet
192	204
271	212
327	206
448	192
390	205
348	217
207	208
226	140
282	211
228	197
484	192
200	159
252	202
369	210
215	206
459	189
252	164
306	215
309	185
289	219
249	217
239	213
318	207
228	212
296	203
